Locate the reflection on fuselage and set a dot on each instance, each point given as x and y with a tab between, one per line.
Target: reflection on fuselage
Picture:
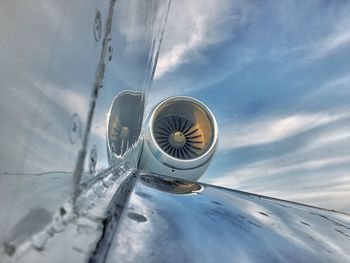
170	184
124	124
55	79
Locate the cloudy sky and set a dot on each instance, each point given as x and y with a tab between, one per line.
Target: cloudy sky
276	75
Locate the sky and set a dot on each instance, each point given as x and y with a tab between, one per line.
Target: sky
276	75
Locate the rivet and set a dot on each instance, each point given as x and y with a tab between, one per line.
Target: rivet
75	131
97	26
109	49
93	159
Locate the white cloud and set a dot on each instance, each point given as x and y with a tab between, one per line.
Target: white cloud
275	167
193	26
318	166
336	85
271	130
337	38
306	181
285	36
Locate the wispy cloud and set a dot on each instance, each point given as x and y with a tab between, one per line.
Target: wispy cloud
334	86
275	167
303	177
283	116
267	163
335	40
194	26
272	130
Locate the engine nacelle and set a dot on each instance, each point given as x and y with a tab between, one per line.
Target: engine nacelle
180	138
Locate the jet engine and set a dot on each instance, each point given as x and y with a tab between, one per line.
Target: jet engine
180	138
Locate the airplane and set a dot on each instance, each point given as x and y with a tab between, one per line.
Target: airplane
87	177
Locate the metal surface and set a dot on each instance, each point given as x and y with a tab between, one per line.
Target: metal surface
132	52
73	234
48	57
172	220
124	126
62	65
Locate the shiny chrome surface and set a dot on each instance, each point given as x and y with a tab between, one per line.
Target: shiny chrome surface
162	223
62	65
133	48
74	231
48	59
124	126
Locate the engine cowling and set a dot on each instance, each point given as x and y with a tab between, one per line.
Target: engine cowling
180	138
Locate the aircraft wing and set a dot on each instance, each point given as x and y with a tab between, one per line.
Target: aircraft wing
145	217
167	220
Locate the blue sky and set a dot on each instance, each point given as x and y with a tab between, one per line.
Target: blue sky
276	75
